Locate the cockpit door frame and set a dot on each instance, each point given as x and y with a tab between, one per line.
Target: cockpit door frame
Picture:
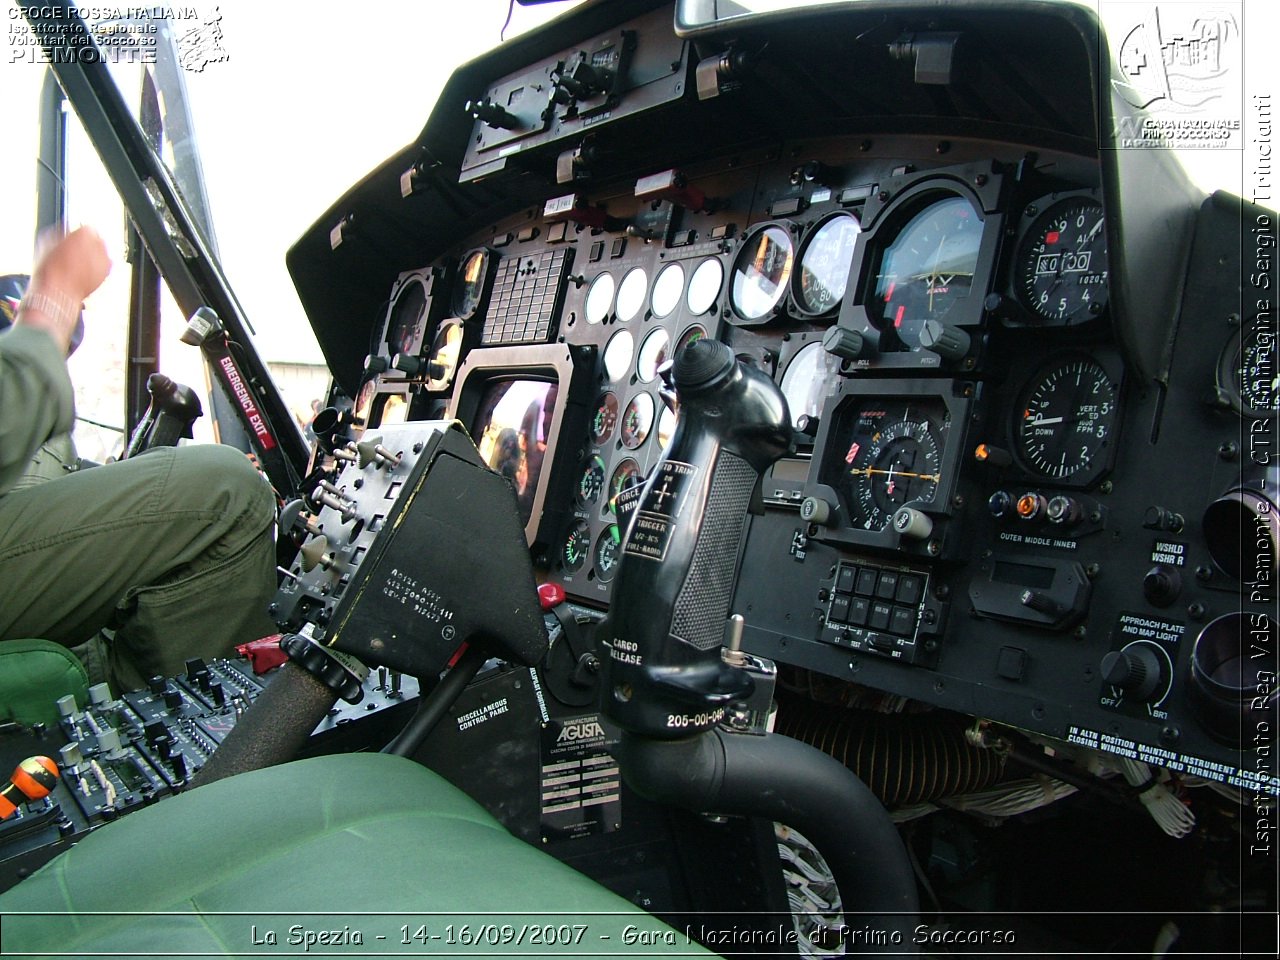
167	226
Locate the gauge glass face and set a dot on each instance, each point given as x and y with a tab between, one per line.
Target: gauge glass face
632	293
637	421
692	335
704	286
600	298
617	355
666	426
761	272
890	456
808	380
1062	264
577	546
605	417
404	328
395	410
608	553
667	289
470	287
1248	375
364	400
825	263
591	482
625	475
446	347
925	271
653	353
1065	419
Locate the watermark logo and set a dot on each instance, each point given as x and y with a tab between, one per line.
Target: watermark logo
118	35
201	45
1178	67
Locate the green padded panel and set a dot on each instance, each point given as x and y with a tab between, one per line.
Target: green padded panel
33	675
342	838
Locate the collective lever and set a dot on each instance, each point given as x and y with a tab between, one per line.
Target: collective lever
33	779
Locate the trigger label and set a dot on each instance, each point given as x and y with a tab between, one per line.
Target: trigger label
664	502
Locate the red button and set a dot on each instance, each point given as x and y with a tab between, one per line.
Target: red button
550	595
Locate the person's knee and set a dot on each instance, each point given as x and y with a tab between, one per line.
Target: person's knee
222	478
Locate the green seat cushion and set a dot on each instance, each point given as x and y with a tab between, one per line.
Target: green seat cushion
361	843
33	675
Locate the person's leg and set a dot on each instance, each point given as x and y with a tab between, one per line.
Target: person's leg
173	548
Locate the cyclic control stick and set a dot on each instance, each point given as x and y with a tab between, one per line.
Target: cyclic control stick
663	674
665	680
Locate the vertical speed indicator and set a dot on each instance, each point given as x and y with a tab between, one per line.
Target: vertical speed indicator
1065	420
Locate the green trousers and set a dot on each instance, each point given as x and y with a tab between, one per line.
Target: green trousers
172	550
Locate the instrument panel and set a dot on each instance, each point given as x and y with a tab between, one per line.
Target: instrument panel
986	509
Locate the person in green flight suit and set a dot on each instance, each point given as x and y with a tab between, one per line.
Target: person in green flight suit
139	564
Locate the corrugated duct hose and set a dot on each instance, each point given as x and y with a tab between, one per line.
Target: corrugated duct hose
903	758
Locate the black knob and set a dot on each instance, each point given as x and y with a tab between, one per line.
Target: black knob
1000	504
218	693
844	343
807	426
947	341
156	686
374	364
1135	670
407	363
1161	585
1040	602
492	114
172	698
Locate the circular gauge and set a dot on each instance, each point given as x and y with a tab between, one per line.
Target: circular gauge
470	285
404	326
617	355
591	482
894	458
825	260
631	293
704	286
653	353
446	347
667	289
608	553
692	335
637	421
600	298
363	406
1062	263
606	415
807	381
1064	419
625	475
761	272
395	410
577	545
666	426
1248	376
925	271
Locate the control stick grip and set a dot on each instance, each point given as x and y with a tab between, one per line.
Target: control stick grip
663	673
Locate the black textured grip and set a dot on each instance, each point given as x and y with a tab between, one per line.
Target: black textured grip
703	603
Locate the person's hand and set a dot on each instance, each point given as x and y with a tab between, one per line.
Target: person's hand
67	270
